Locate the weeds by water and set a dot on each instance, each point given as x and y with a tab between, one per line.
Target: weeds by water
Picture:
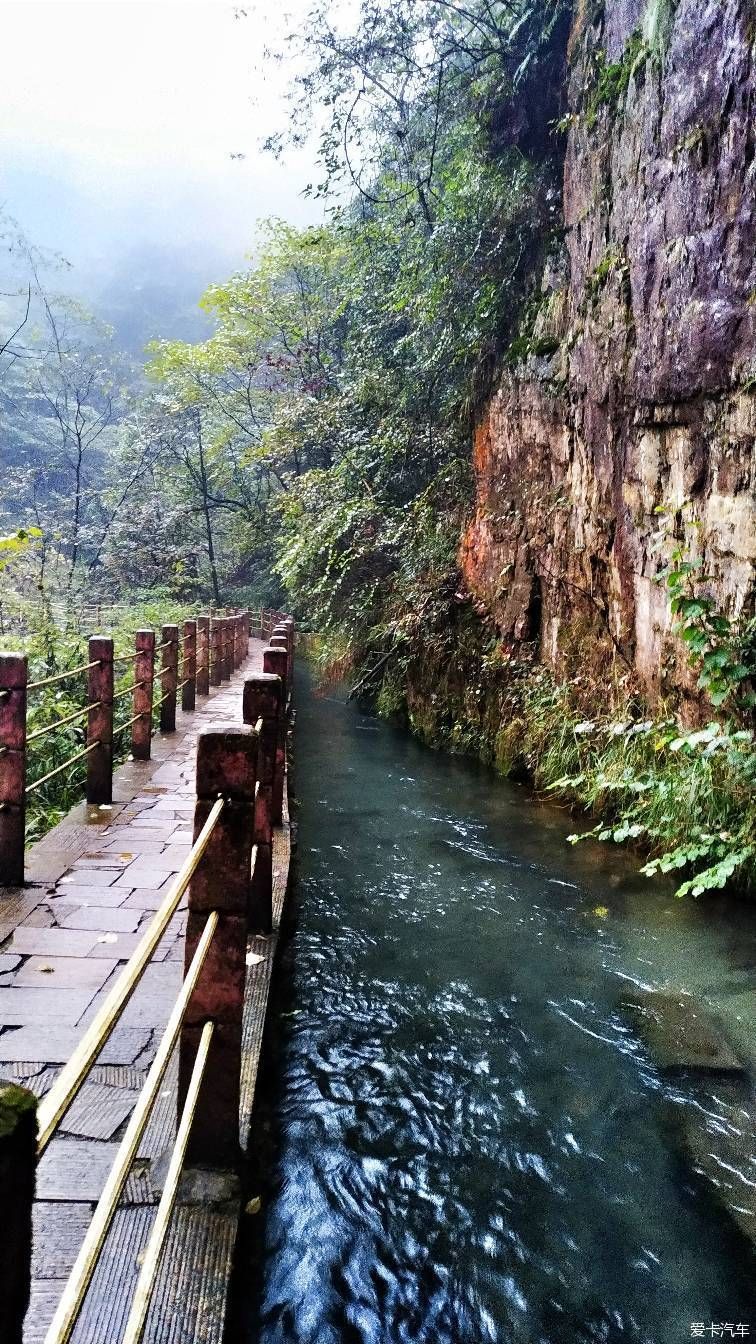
686	797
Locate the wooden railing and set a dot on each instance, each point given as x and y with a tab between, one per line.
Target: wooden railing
229	876
204	654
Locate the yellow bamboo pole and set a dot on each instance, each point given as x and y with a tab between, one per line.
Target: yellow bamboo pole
154	1247
80	1277
54	1106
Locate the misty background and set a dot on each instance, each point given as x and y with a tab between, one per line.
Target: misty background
131	143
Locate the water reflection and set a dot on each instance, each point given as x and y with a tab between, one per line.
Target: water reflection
475	1145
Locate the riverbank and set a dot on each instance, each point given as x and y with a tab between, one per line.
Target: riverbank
683	799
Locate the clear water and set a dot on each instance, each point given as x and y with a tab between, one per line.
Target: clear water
472	1143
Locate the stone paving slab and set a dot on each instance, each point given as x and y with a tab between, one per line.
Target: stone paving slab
64	973
96	880
98	1111
57	1043
21	1006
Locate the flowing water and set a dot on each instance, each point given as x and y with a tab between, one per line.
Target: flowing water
473	1143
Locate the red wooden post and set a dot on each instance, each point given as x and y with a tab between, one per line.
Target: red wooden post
225	649
226	766
235	641
263	700
203	655
291	632
13	678
144	683
189	669
168	678
216	633
274	661
100	721
279	640
286	628
231	644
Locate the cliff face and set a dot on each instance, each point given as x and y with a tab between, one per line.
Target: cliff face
645	397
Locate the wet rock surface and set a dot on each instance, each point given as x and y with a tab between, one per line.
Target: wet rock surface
648	397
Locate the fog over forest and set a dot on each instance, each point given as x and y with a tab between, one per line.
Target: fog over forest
146	173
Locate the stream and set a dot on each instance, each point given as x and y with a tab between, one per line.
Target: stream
473	1144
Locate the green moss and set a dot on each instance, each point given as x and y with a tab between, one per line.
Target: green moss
15	1102
690	143
508	747
611	79
613	261
531	338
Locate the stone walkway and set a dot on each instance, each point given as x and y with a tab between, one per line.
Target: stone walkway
94	881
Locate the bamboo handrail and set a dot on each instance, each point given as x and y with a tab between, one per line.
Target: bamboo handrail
60	768
76	1286
128	690
66	1086
127	657
120	727
61	676
156	1241
59	723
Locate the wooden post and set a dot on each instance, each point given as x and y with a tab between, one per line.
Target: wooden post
18	1164
274	661
169	678
203	655
231	645
189	669
263	700
225	649
216	633
226	766
290	630
13	678
100	720
235	641
279	640
144	684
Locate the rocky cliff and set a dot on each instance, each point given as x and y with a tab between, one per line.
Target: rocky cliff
638	393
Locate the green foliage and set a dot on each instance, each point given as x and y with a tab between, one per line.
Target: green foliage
611	79
53	646
16	542
686	797
614	261
720	647
349	362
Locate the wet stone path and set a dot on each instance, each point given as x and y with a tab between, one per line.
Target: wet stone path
92	885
